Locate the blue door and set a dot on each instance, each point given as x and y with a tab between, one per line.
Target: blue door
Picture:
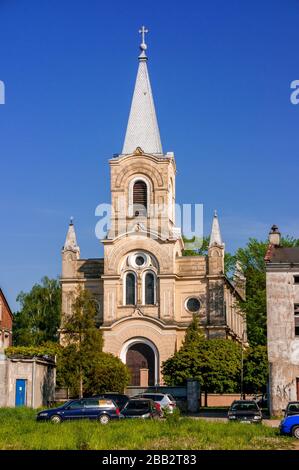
20	392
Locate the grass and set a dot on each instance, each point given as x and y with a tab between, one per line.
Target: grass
19	430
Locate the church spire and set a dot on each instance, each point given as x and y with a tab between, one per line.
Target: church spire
70	243
215	238
142	130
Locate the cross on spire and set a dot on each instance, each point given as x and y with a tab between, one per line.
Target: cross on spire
143	32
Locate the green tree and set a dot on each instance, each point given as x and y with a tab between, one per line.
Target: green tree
256	370
82	365
84	339
215	363
38	319
252	261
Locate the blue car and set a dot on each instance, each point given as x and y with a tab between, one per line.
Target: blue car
100	409
289	426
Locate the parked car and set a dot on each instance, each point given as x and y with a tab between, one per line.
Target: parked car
289	426
244	411
261	400
165	400
119	398
291	409
140	408
100	409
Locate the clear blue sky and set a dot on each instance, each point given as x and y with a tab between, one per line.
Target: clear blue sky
220	73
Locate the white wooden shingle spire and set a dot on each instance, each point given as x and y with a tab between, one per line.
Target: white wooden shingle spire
215	238
142	129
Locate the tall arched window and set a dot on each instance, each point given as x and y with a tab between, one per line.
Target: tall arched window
150	289
139	198
130	289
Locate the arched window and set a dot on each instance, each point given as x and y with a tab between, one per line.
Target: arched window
139	198
150	289
130	289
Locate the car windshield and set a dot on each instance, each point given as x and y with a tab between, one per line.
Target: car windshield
244	407
294	407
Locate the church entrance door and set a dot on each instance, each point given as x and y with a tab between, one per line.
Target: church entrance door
140	357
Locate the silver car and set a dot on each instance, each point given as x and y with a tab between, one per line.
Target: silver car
164	400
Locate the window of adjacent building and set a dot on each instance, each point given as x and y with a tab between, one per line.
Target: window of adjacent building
139	198
130	289
296	312
296	279
150	289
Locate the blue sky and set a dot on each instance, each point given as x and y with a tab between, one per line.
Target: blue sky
220	73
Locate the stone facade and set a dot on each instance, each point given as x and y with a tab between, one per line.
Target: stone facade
282	273
143	257
5	323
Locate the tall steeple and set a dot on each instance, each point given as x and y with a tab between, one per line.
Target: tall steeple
142	129
215	238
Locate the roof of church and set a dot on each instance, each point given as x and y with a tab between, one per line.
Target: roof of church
142	130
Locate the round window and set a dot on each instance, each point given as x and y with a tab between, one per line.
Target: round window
193	304
139	260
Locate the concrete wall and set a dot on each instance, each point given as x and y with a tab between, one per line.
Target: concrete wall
39	376
283	345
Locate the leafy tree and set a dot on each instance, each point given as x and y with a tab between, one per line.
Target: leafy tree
194	334
39	317
82	365
108	374
215	363
256	370
203	243
252	261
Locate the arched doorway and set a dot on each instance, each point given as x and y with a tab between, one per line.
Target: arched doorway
138	354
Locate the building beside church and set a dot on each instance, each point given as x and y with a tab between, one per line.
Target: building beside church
282	281
5	323
145	289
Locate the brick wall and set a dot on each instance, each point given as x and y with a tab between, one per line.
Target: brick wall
5	323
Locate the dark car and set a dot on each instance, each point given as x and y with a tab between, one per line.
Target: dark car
118	398
291	409
100	409
140	408
244	411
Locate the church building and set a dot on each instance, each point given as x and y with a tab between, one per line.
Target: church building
146	290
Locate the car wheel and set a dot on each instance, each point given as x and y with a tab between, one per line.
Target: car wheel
104	419
55	419
295	432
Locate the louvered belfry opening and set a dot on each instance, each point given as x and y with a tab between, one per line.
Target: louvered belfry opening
139	198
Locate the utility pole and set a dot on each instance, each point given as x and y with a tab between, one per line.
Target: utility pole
242	366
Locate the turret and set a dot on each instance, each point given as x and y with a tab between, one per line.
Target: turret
70	253
216	249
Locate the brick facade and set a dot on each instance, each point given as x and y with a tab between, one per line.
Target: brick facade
5	323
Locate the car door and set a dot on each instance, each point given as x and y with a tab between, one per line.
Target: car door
75	410
91	408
